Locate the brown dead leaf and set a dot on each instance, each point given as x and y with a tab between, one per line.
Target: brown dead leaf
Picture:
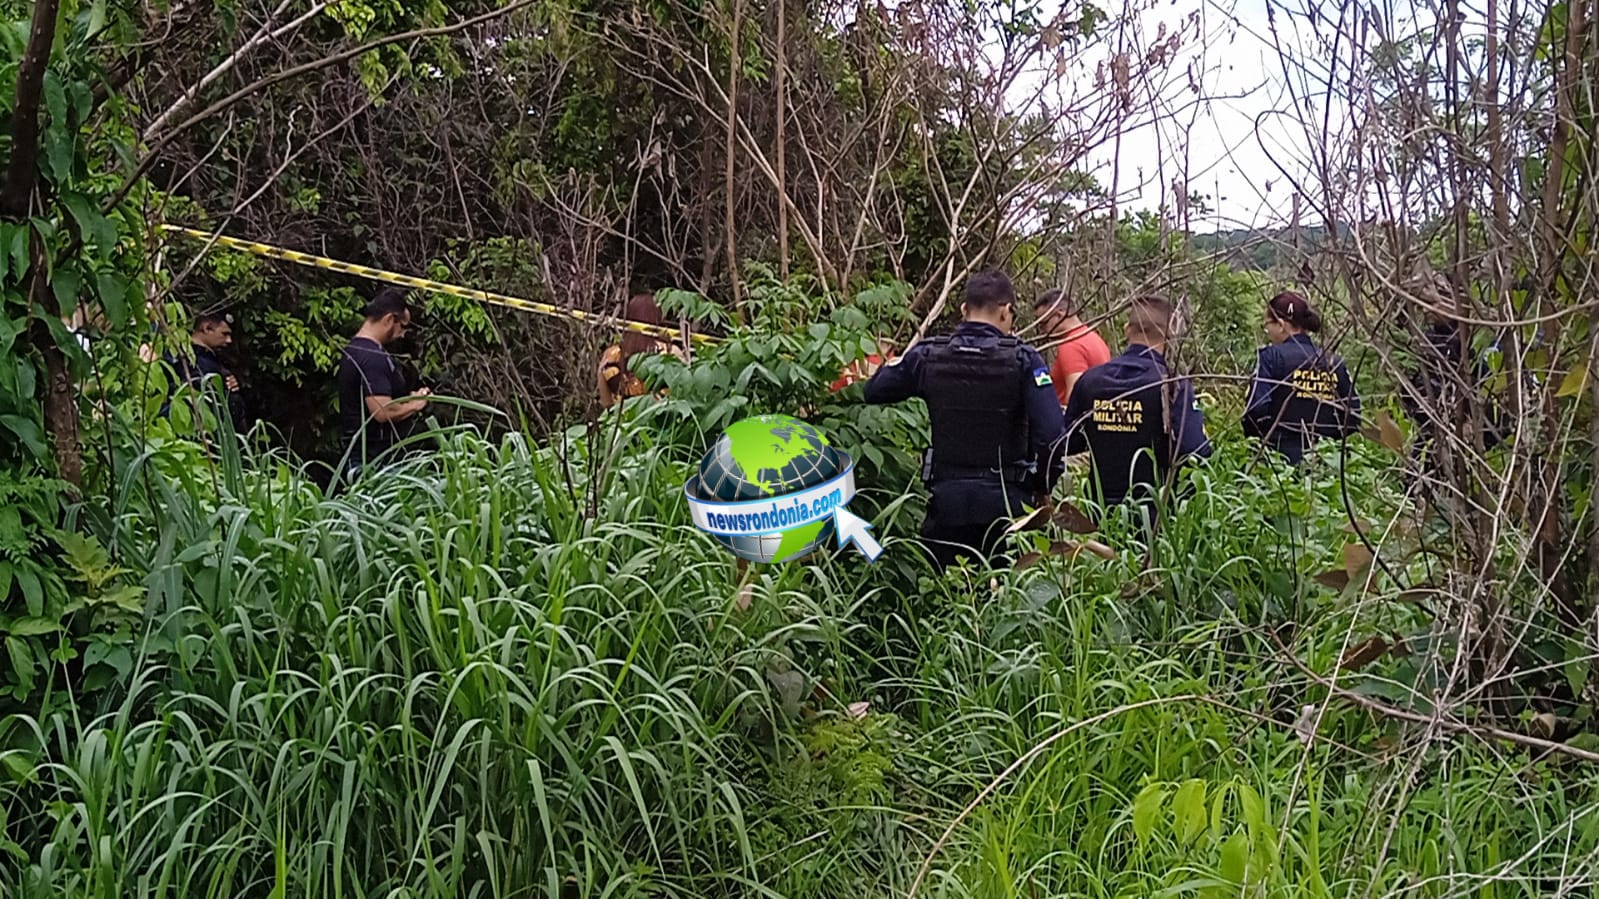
1399	649
1357	558
1418	595
1544	724
1073	519
1364	653
746	596
1032	521
1100	549
1388	433
1337	578
1070	549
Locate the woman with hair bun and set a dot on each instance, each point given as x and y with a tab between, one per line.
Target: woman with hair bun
1300	393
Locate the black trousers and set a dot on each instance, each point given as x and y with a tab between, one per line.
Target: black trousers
949	545
949	533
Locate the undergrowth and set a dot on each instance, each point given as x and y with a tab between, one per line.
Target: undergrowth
452	680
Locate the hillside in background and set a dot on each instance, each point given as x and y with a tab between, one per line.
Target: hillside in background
1252	249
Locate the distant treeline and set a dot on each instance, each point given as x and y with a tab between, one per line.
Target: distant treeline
1259	249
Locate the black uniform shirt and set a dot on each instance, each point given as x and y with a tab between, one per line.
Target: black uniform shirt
366	369
1299	394
979	500
1117	414
206	364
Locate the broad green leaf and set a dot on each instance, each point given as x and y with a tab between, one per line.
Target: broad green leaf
98	678
1576	665
114	655
1146	810
20	768
32	591
197	551
1235	858
1254	808
1575	381
129	598
28	432
1188	810
55	102
97	17
19	250
58	153
82	97
99	232
21	659
26	377
66	283
32	626
114	297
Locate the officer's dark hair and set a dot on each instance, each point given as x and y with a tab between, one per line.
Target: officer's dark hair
389	301
1294	309
1057	298
1151	316
989	290
206	320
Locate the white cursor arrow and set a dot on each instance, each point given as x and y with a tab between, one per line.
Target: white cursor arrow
854	529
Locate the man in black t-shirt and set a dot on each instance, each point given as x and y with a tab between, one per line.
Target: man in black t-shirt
370	382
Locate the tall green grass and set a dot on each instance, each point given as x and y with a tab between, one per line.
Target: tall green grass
451	680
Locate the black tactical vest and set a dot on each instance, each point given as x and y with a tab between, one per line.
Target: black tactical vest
975	400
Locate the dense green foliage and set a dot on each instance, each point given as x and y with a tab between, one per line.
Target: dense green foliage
454	680
510	666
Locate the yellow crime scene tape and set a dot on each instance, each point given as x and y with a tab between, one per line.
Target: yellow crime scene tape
482	296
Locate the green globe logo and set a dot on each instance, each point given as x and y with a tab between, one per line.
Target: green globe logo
772	489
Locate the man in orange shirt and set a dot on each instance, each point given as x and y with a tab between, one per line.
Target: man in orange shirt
1081	347
861	369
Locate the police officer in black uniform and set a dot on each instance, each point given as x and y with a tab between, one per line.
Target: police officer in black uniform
212	332
1299	393
1135	421
1437	383
997	426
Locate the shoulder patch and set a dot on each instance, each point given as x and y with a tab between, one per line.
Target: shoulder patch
1041	377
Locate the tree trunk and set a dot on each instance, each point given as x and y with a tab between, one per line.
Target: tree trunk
782	114
60	406
736	44
1552	250
16	201
23	170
